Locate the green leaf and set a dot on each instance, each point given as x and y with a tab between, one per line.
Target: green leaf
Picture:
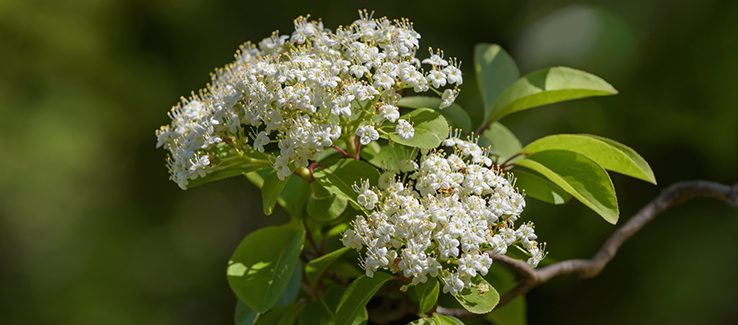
496	71
634	156
249	161
387	157
579	176
323	205
430	127
294	196
316	313
549	86
608	153
514	312
419	321
285	315
504	143
339	176
439	319
356	296
263	264
474	301
244	315
540	188
293	288
315	268
271	190
427	294
454	114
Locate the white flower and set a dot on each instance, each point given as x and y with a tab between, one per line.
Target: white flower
437	78
389	112
383	80
366	134
261	140
448	98
536	256
453	284
342	105
453	75
404	130
436	59
282	167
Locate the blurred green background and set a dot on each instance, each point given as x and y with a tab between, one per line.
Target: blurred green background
92	232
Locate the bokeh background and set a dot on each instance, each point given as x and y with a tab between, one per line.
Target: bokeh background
92	232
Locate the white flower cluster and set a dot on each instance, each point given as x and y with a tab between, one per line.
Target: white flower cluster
305	91
443	221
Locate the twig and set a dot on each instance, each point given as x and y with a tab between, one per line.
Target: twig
675	194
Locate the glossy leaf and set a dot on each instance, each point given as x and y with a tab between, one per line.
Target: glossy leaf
477	302
454	114
419	321
316	313
609	154
430	127
579	176
540	188
496	71
332	297
315	268
427	294
634	156
293	288
285	315
504	143
324	205
357	295
271	190
244	315
439	319
339	176
549	86
294	196
249	161
263	264
387	157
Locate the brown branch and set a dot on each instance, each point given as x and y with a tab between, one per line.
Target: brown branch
675	194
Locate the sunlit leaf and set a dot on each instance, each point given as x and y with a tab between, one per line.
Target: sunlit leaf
250	161
540	188
430	127
476	301
439	319
504	143
338	177
387	157
549	86
455	115
263	264
609	154
579	176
